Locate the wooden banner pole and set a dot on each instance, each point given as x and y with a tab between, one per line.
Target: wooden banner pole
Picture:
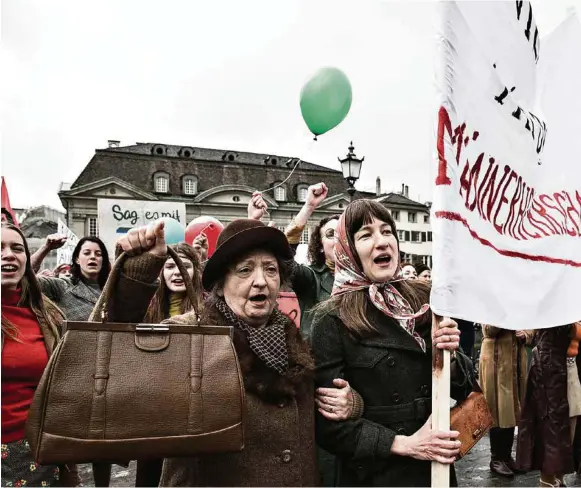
440	403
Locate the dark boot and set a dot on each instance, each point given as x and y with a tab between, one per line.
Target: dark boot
507	440
498	452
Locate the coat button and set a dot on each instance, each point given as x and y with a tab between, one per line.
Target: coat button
400	431
395	398
282	405
424	389
391	361
286	456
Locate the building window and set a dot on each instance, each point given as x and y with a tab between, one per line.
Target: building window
236	198
161	184
401	235
395	215
412	217
92	227
190	185
407	236
424	237
280	194
426	219
302	191
415	236
429	237
305	236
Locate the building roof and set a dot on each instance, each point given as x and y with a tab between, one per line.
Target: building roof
139	163
214	155
394	199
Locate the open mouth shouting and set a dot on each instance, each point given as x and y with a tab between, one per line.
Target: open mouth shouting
9	269
259	300
383	260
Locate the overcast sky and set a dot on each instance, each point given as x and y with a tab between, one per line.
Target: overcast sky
220	74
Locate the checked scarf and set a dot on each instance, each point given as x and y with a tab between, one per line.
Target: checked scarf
268	343
349	277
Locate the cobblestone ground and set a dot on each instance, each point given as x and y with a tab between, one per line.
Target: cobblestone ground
473	470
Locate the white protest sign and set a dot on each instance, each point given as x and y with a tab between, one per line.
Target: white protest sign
64	255
506	213
116	217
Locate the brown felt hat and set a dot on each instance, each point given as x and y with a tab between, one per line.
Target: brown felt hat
239	237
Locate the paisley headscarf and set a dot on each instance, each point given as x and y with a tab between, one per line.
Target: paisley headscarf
349	277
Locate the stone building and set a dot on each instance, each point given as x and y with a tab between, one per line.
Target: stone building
213	182
412	220
219	183
36	224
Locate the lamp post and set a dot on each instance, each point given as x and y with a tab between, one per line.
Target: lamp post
351	167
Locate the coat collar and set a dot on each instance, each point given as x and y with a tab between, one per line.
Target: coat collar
258	378
82	290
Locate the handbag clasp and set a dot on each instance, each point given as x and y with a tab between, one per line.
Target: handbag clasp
152	328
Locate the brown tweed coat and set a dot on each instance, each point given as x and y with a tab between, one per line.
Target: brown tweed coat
503	373
280	434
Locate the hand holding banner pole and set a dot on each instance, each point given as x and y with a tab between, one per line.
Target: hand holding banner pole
440	402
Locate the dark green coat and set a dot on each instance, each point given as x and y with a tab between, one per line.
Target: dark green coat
312	285
394	377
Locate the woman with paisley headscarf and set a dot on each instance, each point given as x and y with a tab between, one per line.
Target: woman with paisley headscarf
375	332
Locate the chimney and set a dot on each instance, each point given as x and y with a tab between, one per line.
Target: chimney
407	191
113	143
377	186
403	189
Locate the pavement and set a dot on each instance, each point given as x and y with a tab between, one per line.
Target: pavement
473	470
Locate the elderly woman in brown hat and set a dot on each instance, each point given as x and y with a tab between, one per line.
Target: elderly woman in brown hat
244	276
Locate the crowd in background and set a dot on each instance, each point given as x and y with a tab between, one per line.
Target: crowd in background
356	374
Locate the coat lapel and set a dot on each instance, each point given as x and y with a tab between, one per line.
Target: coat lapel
82	291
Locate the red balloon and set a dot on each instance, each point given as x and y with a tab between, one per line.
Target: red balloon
208	225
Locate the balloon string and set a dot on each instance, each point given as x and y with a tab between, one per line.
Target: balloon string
283	182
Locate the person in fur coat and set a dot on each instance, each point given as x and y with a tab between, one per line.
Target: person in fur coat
243	276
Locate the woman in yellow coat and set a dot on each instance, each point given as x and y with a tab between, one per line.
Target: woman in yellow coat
503	373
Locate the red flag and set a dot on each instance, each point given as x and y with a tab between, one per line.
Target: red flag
7	212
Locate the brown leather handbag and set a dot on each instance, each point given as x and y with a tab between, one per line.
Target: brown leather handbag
118	391
472	418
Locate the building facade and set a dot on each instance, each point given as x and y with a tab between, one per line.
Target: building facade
220	183
414	230
209	182
36	224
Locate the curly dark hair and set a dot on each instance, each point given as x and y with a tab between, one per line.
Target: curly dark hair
76	273
315	251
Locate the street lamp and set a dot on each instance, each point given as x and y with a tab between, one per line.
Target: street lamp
351	167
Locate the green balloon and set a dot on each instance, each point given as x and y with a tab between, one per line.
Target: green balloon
325	100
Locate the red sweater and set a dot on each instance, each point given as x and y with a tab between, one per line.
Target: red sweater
22	366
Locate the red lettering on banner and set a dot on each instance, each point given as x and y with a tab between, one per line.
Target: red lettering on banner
506	201
470	183
503	198
444	125
547	201
492	200
575	219
512	213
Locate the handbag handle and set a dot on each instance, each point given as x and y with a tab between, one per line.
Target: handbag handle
99	312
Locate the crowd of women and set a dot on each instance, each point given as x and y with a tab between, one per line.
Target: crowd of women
344	400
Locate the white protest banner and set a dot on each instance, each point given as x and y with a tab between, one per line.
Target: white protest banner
64	255
116	217
506	213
